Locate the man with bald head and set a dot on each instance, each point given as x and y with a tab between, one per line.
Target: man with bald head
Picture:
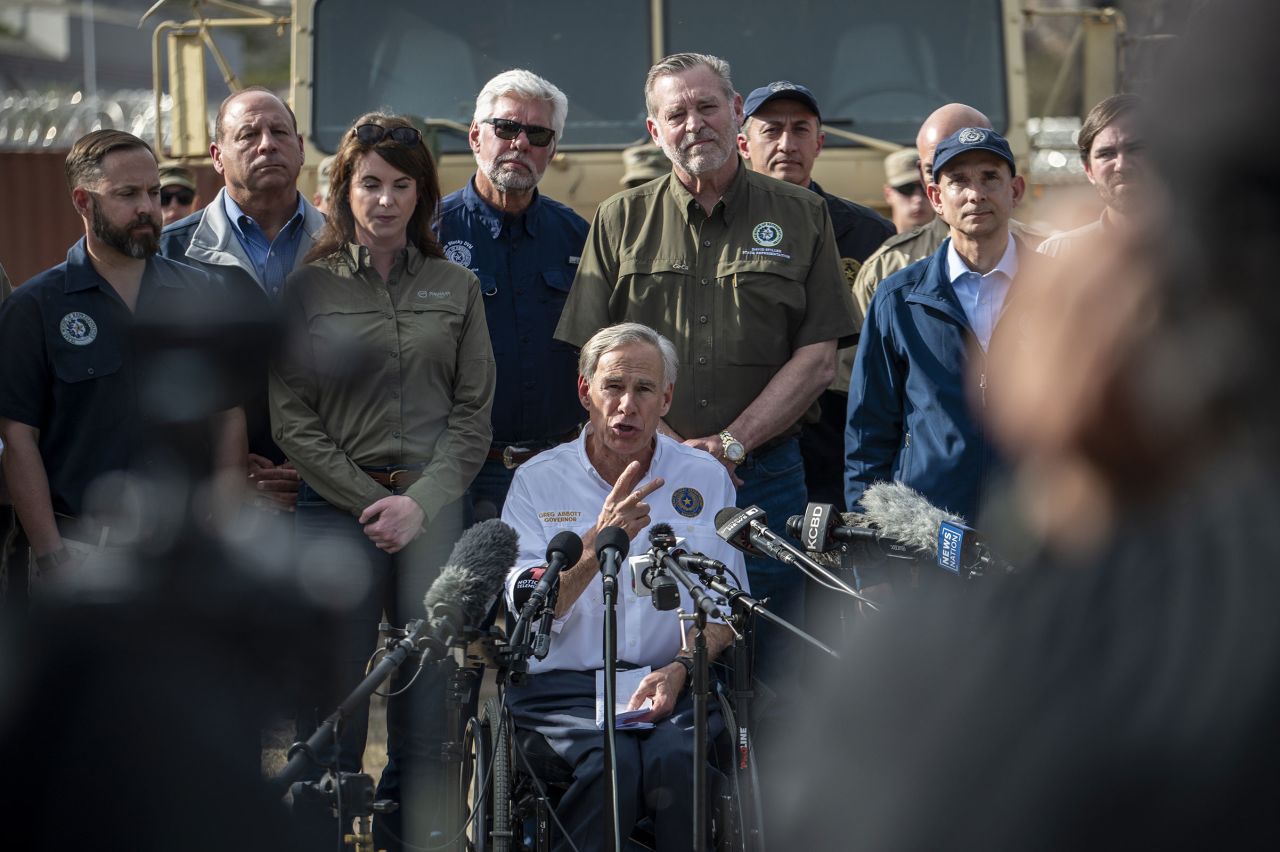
902	250
257	229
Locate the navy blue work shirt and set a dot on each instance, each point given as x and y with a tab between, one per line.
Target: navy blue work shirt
526	265
68	364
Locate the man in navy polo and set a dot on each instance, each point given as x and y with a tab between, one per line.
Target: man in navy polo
524	247
69	382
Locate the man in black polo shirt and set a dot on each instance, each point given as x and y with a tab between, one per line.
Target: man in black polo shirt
69	366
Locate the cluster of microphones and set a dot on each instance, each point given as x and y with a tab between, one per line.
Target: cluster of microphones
896	522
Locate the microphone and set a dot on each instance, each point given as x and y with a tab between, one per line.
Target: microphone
612	545
470	581
564	551
821	529
747	530
904	514
662	539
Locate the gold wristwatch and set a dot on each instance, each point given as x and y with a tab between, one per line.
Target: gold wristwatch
732	447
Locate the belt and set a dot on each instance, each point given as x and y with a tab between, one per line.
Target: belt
514	455
394	479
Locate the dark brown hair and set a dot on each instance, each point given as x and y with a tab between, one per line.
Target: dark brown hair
414	160
84	161
1101	116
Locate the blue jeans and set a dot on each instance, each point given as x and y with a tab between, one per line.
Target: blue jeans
345	566
775	483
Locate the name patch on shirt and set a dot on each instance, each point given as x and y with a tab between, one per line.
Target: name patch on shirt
78	329
459	251
434	294
560	517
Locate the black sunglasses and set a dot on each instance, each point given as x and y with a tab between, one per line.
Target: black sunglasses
372	134
910	190
505	128
182	196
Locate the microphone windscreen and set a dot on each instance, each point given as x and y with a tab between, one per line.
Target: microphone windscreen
474	574
723	516
615	537
568	544
900	512
525	584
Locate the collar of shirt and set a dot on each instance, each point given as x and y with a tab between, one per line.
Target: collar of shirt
358	259
247	228
82	276
494	219
684	199
982	296
585	460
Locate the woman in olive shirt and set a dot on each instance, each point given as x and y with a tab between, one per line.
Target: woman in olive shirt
381	401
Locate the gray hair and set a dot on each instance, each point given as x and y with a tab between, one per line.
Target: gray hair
612	337
526	85
677	63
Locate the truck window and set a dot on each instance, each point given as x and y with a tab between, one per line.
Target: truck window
430	59
877	67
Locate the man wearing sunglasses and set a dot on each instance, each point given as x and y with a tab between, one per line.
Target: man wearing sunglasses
904	193
524	248
257	229
178	195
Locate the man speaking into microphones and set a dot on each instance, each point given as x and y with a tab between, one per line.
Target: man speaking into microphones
621	474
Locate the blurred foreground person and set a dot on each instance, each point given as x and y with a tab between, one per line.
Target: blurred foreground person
382	403
1124	691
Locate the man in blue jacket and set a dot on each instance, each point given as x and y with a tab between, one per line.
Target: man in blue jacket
912	409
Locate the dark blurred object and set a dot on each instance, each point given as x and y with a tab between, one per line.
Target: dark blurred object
1124	692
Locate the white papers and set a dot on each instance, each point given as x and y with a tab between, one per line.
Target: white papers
627	683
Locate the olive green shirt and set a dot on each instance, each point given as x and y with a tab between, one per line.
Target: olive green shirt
5	287
384	373
737	290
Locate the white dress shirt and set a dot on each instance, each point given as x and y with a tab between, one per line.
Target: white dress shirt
982	296
560	490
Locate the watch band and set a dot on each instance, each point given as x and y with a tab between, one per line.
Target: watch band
688	670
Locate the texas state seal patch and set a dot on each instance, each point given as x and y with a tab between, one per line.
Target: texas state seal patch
78	329
687	501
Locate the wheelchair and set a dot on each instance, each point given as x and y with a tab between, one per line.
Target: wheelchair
513	781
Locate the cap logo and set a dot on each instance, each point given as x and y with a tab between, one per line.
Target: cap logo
782	86
971	136
767	234
687	501
78	329
459	251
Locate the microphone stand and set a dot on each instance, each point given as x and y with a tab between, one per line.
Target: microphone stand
613	828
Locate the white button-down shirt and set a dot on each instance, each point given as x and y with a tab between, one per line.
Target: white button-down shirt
982	296
560	490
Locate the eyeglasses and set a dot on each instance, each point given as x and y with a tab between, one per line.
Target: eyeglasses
182	195
372	134
910	190
505	128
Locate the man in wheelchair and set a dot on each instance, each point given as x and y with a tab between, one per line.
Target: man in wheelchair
619	472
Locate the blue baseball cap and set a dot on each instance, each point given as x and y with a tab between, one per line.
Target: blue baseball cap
780	89
968	139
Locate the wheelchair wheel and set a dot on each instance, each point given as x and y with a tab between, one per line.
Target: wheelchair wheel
498	726
476	768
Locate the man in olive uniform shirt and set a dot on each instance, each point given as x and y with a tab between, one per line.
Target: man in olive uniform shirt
741	272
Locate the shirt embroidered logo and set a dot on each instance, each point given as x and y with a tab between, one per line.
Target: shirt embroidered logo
767	234
459	251
78	329
687	501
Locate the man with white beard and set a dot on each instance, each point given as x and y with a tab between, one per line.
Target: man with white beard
524	248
